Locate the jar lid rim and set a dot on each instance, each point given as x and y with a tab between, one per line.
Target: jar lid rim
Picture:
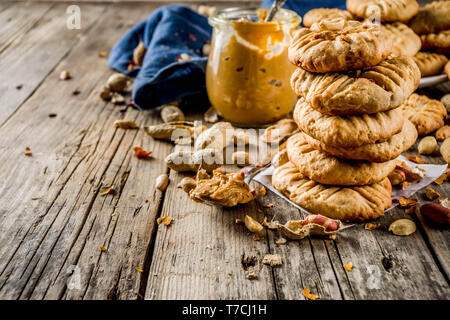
230	15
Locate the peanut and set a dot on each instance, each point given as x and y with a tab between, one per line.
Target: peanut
211	115
402	227
125	124
241	158
64	75
117	82
252	225
442	133
427	145
170	130
162	181
446	102
187	184
396	177
105	93
139	53
445	150
329	224
171	113
217	137
436	213
185	160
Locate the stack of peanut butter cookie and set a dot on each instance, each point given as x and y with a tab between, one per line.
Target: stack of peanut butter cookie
432	23
350	89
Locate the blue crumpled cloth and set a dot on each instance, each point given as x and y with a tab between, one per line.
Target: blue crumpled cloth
168	32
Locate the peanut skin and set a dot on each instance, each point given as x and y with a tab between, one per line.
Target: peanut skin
436	213
330	224
396	177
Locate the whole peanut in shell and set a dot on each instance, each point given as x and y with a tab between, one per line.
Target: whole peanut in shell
172	113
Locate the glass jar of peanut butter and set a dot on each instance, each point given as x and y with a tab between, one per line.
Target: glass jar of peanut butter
248	73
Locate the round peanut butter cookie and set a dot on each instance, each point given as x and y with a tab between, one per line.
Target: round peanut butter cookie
432	18
426	114
447	69
437	41
350	45
385	10
405	42
348	131
430	63
327	169
316	15
343	203
380	88
374	152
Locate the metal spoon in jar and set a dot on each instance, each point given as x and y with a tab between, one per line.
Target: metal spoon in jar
276	5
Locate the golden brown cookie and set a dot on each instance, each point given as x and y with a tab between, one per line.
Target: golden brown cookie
386	10
316	15
447	69
426	114
343	203
432	18
430	63
437	41
404	40
374	152
379	88
327	169
355	46
348	131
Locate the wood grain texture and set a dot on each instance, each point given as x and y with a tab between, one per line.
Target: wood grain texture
53	220
18	19
28	60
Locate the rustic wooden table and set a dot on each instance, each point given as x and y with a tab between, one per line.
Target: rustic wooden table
53	220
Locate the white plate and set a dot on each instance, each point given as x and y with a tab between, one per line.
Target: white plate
440	79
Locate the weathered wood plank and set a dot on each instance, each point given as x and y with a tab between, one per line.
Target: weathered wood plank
415	274
52	220
17	19
438	238
29	59
306	263
74	155
192	257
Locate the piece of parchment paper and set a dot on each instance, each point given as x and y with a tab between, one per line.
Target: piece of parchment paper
432	172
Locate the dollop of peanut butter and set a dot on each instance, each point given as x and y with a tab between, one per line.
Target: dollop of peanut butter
228	190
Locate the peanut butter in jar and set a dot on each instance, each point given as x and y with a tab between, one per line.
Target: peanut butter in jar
248	73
